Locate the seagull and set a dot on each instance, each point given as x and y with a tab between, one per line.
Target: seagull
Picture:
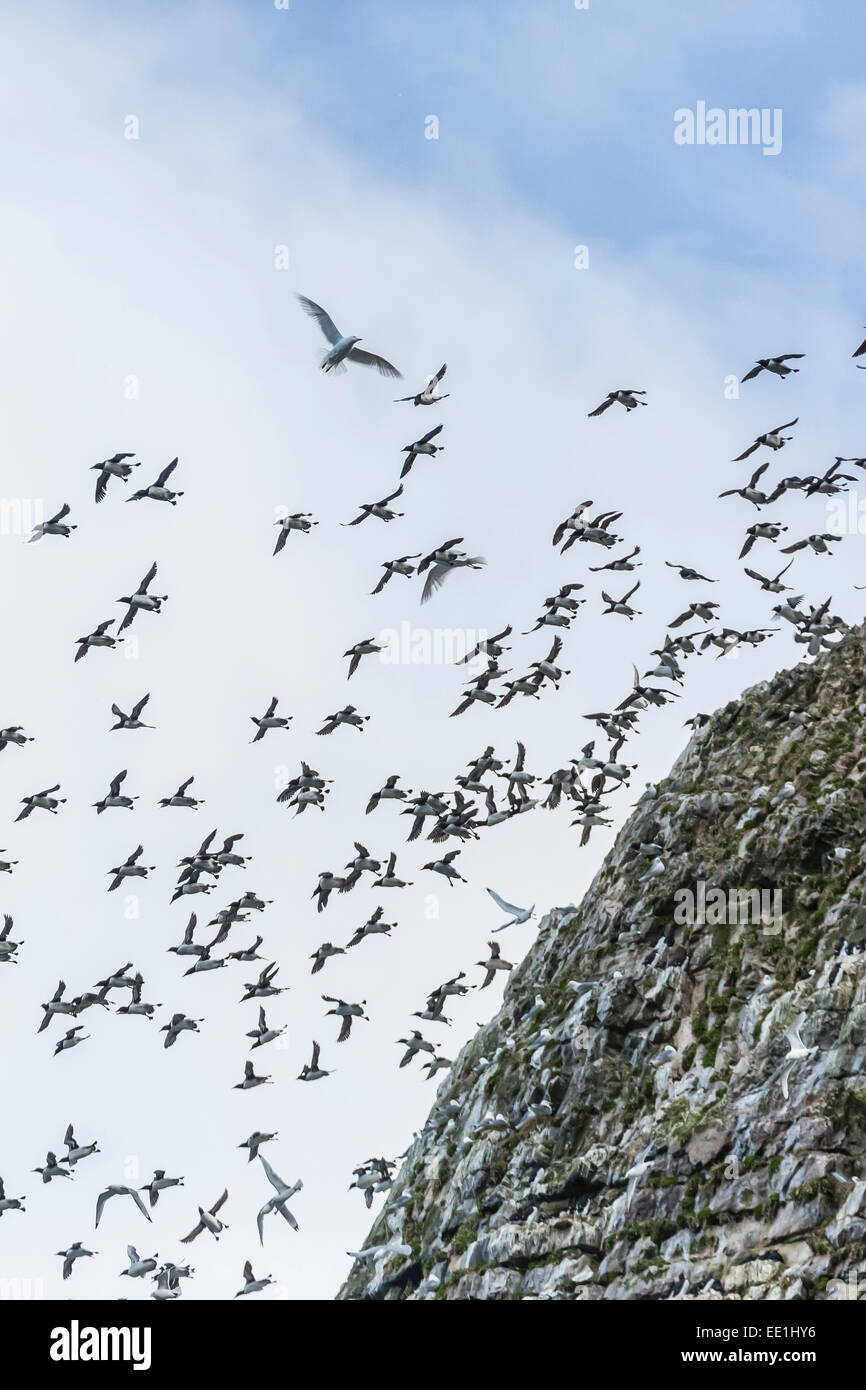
421	446
798	1050
297	521
251	1283
773	439
625	396
493	963
158	491
269	720
208	1221
284	1191
115	467
131	720
343	347
141	599
441	562
54	526
75	1252
776	365
116	1190
381	509
519	915
430	394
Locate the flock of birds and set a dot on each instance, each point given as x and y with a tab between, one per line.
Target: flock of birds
489	791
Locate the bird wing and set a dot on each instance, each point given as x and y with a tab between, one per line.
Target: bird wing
314	1063
219	1202
753	373
166	473
273	1178
500	902
370	359
142	588
100	1205
600	409
431	434
323	319
435	579
138	1202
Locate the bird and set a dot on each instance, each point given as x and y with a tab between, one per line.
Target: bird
208	1221
138	1267
625	396
14	733
621	605
157	491
493	963
797	1052
423	445
446	867
819	542
312	1071
43	801
133	719
254	1142
774	585
54	526
389	792
251	1080
413	1044
76	1152
158	1183
251	1283
114	797
343	348
180	798
71	1039
99	637
776	365
56	1005
263	1034
116	1190
283	1193
141	599
518	915
347	1013
180	1023
269	720
686	572
773	439
364	648
374	926
381	509
389	879
8	947
9	1203
115	467
75	1252
429	395
401	565
441	562
297	521
52	1169
130	868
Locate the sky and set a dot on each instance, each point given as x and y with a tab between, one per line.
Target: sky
149	306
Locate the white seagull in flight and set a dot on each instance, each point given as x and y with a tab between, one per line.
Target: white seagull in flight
343	347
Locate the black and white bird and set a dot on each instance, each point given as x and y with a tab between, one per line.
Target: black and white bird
141	600
626	396
382	509
99	637
297	521
776	365
311	1071
442	561
343	347
773	439
424	445
54	526
133	719
157	491
251	1283
347	1012
208	1221
41	801
115	467
269	720
430	393
402	565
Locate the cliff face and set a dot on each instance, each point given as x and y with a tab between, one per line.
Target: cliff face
632	1139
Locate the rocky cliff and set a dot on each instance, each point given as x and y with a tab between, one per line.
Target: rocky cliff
620	1129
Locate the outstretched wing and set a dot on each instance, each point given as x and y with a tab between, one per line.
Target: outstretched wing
323	319
369	359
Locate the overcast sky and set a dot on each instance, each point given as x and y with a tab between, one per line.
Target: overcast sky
144	310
